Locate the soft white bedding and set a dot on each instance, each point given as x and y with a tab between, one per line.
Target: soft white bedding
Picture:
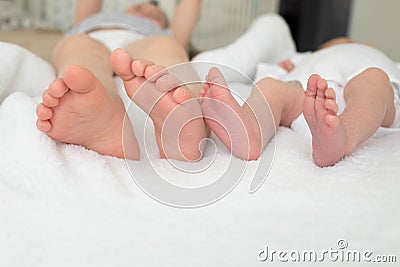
62	205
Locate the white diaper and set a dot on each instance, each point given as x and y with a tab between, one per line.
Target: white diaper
114	39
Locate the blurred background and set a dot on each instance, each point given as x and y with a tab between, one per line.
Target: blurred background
38	24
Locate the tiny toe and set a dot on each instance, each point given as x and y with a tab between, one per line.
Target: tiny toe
206	86
139	67
330	93
49	100
321	88
43	112
167	82
154	72
202	93
331	106
43	125
322	84
57	88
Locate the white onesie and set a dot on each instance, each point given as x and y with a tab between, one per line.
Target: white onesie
338	65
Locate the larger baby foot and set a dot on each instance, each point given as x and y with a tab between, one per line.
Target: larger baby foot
234	125
177	117
77	109
328	132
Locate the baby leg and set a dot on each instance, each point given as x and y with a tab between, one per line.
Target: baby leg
369	98
245	130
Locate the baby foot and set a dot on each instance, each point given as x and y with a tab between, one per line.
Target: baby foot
176	114
328	132
235	126
77	109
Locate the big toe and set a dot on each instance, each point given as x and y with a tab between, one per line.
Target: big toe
43	112
79	79
215	77
43	125
312	85
121	63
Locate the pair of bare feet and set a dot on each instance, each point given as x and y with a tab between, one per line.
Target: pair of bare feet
77	109
329	142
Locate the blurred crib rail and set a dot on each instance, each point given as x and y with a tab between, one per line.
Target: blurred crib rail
221	20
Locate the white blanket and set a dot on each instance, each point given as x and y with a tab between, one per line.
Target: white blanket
62	205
